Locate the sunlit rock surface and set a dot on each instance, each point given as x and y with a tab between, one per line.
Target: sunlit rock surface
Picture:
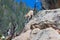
51	16
47	34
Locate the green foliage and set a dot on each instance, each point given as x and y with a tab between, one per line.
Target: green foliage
11	11
0	35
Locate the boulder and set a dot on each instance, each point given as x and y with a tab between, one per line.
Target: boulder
50	15
23	36
46	25
47	34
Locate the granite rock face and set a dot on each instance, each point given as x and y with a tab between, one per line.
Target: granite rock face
47	34
50	15
43	26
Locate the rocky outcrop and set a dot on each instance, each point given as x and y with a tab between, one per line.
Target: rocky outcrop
24	36
37	34
50	15
46	34
45	25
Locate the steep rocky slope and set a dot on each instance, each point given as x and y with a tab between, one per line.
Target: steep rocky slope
45	25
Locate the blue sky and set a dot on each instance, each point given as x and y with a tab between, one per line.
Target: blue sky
30	3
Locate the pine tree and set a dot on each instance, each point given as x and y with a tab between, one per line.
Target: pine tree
12	12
